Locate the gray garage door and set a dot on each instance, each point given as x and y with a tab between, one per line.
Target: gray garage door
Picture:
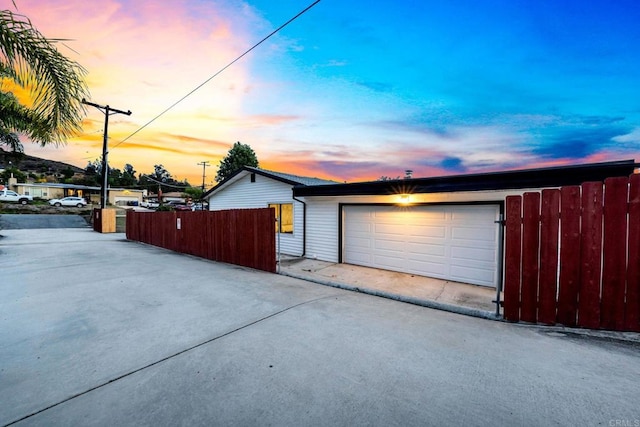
452	242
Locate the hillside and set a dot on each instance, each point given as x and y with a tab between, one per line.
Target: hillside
28	163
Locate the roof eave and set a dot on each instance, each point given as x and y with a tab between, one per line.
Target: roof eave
506	180
248	169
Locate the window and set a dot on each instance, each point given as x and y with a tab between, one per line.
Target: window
284	213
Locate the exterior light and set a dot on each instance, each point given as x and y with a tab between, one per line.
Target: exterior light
405	199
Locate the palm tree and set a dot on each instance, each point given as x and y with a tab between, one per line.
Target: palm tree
55	83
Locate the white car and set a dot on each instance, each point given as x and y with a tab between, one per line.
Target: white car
69	201
12	196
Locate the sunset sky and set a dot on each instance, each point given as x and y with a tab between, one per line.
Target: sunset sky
353	90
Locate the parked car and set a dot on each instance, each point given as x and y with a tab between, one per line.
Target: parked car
69	201
177	205
12	196
199	207
150	204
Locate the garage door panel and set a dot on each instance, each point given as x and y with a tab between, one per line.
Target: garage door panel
473	254
427	249
436	267
450	242
426	231
426	240
390	245
360	227
471	213
471	263
362	258
387	228
388	236
467	274
360	243
389	262
472	233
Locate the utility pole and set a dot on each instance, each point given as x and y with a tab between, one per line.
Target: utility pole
108	111
204	164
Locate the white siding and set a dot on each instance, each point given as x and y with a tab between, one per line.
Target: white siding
244	194
322	230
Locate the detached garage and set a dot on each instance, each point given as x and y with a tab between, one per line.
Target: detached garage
452	242
443	227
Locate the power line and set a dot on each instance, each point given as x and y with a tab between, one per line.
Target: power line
161	183
220	71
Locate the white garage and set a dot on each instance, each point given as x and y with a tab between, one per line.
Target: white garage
452	242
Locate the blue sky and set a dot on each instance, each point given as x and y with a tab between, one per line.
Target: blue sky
360	89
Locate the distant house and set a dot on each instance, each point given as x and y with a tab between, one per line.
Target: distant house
252	187
116	196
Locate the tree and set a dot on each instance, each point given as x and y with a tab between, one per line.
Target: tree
194	192
93	168
15	172
7	137
115	176
238	156
161	178
67	172
11	139
128	177
55	83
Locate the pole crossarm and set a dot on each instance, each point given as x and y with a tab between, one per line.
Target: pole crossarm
107	108
204	164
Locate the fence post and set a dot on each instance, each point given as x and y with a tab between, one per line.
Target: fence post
530	247
614	254
513	251
632	308
549	227
591	256
569	255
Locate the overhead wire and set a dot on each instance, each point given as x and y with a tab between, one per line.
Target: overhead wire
219	72
163	183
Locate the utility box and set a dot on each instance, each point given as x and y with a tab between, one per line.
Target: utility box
104	220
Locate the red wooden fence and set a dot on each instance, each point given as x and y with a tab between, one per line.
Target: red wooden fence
572	256
243	236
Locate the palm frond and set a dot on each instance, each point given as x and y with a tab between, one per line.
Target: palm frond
56	83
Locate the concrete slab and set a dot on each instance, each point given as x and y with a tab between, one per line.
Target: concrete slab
445	295
96	330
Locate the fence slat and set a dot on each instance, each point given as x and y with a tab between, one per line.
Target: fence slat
548	283
513	251
614	255
632	308
569	255
530	248
591	256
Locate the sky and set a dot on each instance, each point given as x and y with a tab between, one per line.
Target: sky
352	90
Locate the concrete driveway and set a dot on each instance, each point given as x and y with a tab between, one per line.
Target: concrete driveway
96	330
33	221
